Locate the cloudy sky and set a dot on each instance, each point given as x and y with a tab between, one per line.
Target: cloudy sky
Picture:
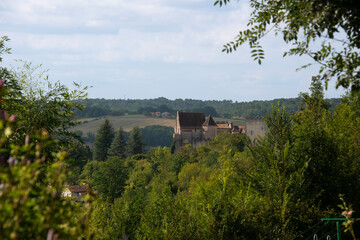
150	48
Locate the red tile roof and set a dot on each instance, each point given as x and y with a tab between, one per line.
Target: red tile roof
223	125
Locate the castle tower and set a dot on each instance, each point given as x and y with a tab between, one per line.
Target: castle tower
255	126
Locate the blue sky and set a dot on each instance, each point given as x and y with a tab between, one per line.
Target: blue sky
142	49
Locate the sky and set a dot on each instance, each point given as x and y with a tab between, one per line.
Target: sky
142	49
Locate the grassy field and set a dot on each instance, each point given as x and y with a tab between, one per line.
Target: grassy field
236	122
130	121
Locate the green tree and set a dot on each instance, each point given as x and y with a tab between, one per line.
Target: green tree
118	146
135	143
89	171
233	143
78	154
329	140
40	104
103	140
278	175
315	101
335	23
128	210
109	179
344	128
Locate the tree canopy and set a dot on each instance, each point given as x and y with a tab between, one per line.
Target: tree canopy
107	177
333	22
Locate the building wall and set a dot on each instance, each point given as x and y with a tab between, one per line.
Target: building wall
255	126
177	125
210	132
194	137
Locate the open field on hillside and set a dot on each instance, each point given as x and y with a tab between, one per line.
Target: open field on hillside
126	122
130	121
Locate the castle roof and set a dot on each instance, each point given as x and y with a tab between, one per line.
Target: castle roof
223	125
209	121
78	188
191	119
239	129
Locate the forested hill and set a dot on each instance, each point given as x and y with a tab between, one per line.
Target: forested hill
224	108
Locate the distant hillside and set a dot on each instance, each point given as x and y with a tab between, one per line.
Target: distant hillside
225	108
126	122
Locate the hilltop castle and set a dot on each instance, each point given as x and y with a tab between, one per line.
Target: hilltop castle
193	128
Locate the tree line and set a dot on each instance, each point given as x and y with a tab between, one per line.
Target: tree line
153	136
224	108
108	144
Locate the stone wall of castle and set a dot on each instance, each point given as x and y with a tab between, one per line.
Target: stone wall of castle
255	126
195	137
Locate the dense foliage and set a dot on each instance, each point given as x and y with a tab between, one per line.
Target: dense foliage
107	177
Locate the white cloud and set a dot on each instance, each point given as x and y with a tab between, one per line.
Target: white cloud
150	42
